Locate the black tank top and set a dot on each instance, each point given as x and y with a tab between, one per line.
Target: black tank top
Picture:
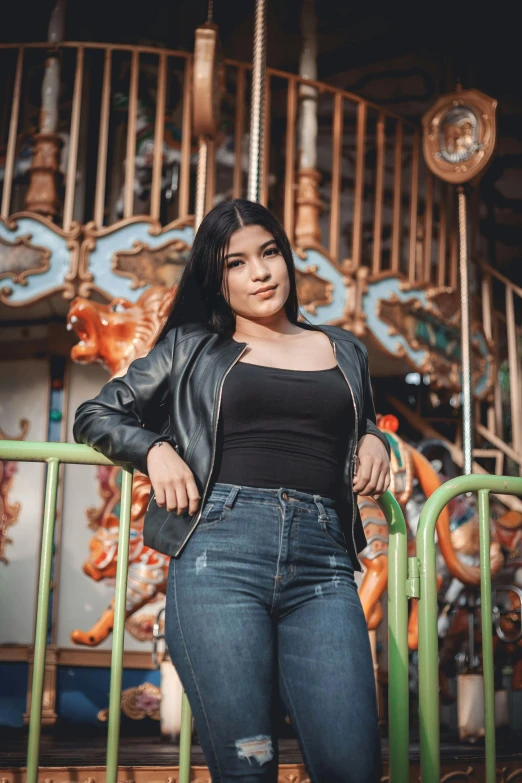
283	428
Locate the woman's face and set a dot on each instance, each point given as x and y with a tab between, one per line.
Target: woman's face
254	262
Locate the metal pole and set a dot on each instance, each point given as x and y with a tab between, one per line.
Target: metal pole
487	636
398	696
120	600
42	616
257	110
201	182
467	410
428	640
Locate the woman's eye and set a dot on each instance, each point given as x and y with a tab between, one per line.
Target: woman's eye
272	250
231	264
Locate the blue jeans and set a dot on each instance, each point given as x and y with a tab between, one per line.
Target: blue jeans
262	603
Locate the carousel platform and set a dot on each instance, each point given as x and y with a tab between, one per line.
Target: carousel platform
80	756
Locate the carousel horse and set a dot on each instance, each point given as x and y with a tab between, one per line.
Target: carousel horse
409	467
114	335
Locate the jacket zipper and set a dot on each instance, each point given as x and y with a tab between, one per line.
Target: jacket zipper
202	502
353	458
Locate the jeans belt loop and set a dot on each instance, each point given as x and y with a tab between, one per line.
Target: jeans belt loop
232	495
322	511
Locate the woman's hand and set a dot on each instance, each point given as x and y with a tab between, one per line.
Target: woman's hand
372	474
172	480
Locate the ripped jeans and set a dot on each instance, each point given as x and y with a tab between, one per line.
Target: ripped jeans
262	604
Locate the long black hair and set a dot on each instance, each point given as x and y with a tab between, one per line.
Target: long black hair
197	297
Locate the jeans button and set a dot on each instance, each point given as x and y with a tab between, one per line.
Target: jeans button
285	495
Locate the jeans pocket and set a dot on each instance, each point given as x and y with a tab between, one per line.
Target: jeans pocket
331	527
213	514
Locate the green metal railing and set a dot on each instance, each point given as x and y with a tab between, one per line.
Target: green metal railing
423	568
56	453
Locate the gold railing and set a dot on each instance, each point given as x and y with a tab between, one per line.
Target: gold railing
499	420
377	205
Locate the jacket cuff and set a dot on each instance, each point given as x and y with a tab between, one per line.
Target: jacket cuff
373	429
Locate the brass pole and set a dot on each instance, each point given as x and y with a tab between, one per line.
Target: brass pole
467	411
257	107
201	182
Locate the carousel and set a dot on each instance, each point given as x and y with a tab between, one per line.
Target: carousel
110	155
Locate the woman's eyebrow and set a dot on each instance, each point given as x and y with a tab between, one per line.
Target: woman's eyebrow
261	247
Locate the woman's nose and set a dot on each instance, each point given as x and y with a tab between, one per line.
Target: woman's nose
259	270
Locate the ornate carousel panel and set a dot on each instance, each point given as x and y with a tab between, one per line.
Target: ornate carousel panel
121	260
24	395
36	259
89	548
321	287
423	326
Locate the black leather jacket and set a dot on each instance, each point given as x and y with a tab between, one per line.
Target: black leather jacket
174	394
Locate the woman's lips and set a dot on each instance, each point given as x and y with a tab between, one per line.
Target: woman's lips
266	294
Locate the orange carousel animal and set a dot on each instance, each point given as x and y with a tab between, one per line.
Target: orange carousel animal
114	335
406	464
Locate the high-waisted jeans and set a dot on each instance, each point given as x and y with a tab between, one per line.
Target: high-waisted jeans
262	604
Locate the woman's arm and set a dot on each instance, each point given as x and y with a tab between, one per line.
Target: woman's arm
112	422
368	425
372	475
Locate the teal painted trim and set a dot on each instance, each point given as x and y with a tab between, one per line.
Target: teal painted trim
41	236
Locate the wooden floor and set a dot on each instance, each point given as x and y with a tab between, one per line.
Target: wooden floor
76	749
81	756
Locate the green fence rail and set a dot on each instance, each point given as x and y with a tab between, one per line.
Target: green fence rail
424	566
56	453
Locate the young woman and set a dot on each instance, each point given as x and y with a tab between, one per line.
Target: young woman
257	431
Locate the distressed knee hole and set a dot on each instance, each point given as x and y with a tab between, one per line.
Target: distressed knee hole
259	748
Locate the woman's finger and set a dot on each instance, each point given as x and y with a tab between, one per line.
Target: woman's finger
170	497
181	494
362	474
381	484
159	496
193	495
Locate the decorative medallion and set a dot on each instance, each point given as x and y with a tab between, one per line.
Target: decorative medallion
147	265
459	135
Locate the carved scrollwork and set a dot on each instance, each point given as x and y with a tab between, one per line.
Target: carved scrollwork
19	259
147	265
313	291
434	327
22	257
462	776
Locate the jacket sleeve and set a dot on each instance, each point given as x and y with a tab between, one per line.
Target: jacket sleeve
115	421
368	424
